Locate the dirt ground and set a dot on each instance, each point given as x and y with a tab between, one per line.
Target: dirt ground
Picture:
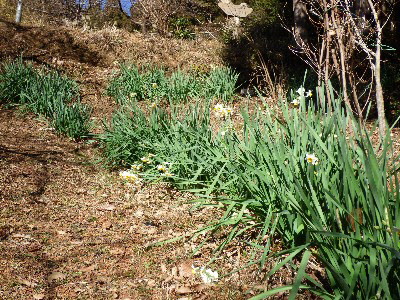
70	229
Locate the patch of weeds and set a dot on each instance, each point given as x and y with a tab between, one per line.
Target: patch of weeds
104	250
182	28
152	84
47	94
24	256
221	83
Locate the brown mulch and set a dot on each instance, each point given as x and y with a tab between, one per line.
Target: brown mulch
70	229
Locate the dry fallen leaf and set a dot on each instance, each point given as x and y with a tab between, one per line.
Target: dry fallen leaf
27	282
102	279
185	269
23	236
108	207
183	290
151	283
90	268
200	287
76	242
38	296
139	213
117	251
163	268
107	225
56	276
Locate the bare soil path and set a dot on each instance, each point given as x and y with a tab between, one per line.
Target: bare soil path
72	230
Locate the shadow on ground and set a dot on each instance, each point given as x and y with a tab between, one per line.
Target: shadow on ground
41	43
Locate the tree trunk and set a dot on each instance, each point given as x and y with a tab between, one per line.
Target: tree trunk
379	91
300	19
380	104
18	14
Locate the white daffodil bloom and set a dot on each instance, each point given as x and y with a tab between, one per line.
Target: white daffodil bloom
221	111
137	168
295	102
207	275
162	168
312	159
146	160
129	176
308	94
218	107
301	91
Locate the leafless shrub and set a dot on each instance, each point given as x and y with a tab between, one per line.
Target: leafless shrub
156	13
347	45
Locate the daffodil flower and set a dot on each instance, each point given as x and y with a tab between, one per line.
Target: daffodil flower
207	275
295	102
301	91
137	168
221	111
162	168
146	160
129	176
312	159
219	107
